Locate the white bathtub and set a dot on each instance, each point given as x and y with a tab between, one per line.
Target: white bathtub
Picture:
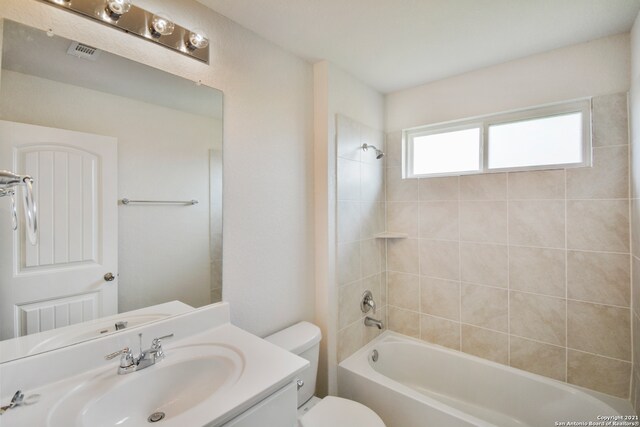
417	384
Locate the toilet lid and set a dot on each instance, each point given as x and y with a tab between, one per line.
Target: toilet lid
338	412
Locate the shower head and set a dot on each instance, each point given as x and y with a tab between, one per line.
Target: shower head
379	153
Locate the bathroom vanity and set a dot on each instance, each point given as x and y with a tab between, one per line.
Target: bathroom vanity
211	374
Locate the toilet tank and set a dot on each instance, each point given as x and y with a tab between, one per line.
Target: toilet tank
302	339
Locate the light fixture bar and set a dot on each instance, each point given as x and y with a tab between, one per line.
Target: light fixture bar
136	21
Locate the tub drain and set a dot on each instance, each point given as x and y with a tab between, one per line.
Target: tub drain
374	355
155	417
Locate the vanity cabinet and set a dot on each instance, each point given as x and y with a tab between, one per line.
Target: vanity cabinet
277	410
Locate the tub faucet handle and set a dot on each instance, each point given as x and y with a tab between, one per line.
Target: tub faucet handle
367	302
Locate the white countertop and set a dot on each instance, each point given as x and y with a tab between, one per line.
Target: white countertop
266	368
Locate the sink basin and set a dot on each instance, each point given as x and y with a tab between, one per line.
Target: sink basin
187	377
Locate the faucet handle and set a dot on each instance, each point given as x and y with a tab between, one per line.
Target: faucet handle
126	360
117	353
157	342
367	302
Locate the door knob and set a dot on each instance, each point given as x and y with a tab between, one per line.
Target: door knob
109	277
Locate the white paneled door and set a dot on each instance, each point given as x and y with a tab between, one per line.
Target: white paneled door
64	278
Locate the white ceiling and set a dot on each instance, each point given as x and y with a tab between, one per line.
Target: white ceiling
396	44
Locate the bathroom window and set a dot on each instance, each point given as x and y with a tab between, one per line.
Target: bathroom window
554	136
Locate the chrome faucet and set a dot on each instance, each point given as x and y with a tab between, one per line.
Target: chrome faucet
370	321
130	363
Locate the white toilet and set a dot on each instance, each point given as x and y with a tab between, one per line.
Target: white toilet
303	339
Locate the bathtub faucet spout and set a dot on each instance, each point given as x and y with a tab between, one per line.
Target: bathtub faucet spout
370	321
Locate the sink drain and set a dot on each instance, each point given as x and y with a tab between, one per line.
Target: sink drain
155	417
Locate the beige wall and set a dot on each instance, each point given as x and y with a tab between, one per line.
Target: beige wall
598	67
634	104
268	159
527	269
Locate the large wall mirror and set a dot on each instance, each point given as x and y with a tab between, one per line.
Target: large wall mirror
127	168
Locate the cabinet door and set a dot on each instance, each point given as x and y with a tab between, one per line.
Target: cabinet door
277	410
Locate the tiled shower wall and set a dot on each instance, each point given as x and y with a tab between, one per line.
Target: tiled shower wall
528	269
360	256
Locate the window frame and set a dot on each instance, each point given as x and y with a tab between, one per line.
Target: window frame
583	106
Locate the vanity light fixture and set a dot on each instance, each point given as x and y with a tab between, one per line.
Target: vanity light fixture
197	40
154	27
161	26
116	8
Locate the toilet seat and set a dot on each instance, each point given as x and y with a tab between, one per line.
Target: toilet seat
338	412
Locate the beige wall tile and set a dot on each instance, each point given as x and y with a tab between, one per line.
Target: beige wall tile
370	253
485	307
635	223
599	373
404	321
348	138
598	225
483	187
440	259
348	262
404	290
484	222
537	270
402	255
400	190
486	264
445	188
599	329
537	223
439	220
538	317
383	289
486	344
610	120
348	180
349	297
542	359
440	297
537	185
373	219
350	340
636	394
440	331
608	178
635	284
372	181
349	221
394	149
599	277
402	217
635	344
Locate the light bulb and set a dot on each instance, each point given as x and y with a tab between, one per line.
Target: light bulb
161	26
197	40
116	8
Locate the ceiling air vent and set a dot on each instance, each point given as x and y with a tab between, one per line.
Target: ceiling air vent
83	51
